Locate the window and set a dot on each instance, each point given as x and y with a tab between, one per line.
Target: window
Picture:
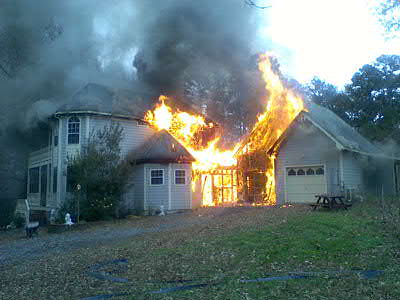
310	172
55	180
301	172
73	130
70	180
157	177
34	180
55	140
320	171
292	172
180	177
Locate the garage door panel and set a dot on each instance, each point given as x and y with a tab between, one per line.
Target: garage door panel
303	183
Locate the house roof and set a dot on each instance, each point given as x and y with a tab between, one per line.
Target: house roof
161	148
96	98
342	134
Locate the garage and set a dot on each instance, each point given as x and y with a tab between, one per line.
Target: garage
304	182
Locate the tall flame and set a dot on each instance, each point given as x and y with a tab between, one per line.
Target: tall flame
282	106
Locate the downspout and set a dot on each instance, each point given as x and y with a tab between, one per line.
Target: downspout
58	196
169	185
341	166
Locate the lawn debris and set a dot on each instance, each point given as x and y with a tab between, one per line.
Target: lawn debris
120	265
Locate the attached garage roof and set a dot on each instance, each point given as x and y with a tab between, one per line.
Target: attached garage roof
161	148
344	136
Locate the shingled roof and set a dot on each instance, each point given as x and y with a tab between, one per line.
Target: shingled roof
344	136
101	99
161	148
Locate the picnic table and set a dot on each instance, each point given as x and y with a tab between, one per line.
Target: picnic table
330	202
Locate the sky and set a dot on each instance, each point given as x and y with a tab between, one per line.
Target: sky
324	38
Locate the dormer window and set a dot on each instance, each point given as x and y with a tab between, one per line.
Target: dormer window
73	130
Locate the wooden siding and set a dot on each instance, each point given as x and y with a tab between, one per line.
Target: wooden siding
134	135
352	171
181	194
305	146
156	195
138	187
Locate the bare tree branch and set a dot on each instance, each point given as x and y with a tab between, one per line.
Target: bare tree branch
2	68
252	3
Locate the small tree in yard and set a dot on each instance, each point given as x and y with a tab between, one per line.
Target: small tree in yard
101	173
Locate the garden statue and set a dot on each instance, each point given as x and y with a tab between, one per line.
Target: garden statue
68	219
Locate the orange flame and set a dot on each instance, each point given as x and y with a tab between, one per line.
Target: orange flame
282	106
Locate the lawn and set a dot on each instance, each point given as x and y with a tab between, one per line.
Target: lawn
327	248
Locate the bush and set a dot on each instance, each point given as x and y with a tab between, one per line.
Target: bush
101	174
19	220
7	210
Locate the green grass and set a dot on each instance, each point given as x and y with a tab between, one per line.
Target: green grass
317	242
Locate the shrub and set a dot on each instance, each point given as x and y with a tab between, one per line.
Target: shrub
101	173
19	220
7	210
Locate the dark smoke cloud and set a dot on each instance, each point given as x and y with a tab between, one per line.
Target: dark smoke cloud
185	36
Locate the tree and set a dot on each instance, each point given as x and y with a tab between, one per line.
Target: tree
389	16
101	173
375	97
371	102
327	95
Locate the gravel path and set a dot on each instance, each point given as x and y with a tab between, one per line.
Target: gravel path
43	245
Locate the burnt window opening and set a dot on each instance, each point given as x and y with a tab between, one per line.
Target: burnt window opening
180	177
73	130
310	172
142	123
320	171
300	172
156	177
34	180
292	172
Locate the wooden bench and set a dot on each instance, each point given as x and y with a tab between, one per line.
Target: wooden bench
330	202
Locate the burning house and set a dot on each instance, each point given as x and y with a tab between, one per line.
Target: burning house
294	151
162	174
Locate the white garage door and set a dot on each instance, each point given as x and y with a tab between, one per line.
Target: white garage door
303	183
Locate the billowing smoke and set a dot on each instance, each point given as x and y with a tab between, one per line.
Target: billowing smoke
51	49
180	37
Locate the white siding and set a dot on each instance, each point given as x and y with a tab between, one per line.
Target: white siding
305	146
134	135
156	195
352	171
181	194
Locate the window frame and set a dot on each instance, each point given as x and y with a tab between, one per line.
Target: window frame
180	177
73	130
34	189
156	177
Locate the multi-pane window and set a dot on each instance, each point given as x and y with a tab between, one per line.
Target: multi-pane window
34	180
308	171
180	177
73	130
157	177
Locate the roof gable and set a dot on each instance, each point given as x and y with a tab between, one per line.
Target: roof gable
342	134
161	148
